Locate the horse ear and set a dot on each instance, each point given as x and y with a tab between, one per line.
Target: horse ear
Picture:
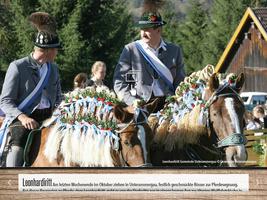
214	82
152	106
122	114
240	82
119	113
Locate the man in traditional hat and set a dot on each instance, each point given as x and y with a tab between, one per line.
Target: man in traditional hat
31	88
149	67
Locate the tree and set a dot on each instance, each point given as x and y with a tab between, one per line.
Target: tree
14	30
5	37
224	18
89	30
171	29
258	3
192	33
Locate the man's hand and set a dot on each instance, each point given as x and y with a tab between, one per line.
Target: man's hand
28	122
130	109
138	103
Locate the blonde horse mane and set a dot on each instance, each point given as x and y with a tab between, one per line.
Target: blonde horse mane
186	131
81	143
179	129
84	149
183	121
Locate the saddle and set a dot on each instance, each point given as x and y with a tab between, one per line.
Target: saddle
27	148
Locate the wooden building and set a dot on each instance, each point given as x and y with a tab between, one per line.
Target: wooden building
247	50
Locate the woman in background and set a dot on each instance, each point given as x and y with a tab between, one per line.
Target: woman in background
259	115
98	73
80	81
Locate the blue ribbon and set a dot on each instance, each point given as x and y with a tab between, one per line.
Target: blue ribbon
23	106
38	92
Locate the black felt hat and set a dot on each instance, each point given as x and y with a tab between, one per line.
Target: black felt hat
47	40
47	36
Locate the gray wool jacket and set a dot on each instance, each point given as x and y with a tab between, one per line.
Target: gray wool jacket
21	78
131	60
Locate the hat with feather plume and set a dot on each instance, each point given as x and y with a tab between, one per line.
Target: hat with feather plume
151	17
47	36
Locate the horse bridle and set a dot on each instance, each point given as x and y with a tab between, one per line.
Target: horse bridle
124	126
234	138
231	140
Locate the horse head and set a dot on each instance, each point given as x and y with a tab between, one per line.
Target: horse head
226	113
135	134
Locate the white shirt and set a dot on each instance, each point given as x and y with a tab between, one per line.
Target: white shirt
44	103
155	51
156	88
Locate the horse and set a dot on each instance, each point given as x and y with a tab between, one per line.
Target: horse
133	136
220	142
1	120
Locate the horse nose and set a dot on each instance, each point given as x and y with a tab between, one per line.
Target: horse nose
241	155
236	155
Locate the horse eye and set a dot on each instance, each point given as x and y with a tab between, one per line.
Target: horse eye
214	114
126	142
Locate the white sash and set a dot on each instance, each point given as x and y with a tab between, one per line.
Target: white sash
156	62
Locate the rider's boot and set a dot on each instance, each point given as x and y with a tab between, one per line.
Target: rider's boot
15	157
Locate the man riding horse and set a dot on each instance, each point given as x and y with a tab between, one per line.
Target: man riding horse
31	89
150	67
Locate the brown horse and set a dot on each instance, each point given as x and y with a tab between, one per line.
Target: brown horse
1	120
220	142
134	135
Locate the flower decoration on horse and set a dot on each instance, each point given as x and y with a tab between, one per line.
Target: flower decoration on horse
196	110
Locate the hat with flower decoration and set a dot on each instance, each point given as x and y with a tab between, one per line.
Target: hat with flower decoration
47	36
151	18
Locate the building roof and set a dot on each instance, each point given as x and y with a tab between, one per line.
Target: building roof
256	15
261	14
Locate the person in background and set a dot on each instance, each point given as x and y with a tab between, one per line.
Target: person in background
259	115
251	124
80	81
22	78
98	73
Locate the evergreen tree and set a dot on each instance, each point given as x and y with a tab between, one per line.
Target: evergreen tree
192	33
5	37
258	3
71	57
89	31
171	29
93	30
224	18
23	31
15	31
